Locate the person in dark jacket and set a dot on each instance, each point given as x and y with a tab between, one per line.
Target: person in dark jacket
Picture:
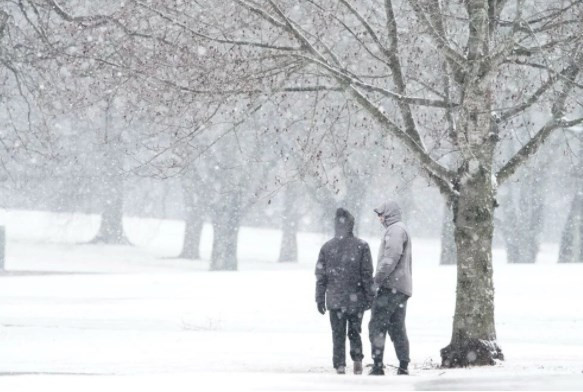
393	284
345	287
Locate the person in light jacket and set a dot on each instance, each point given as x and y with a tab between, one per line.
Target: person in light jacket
393	286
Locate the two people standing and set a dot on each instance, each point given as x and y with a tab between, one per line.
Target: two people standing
346	287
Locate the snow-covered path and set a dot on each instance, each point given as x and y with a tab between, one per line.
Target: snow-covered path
115	317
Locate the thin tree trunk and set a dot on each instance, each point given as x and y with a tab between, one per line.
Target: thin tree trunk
194	221
531	208
226	225
448	254
509	224
192	236
224	252
354	199
2	248
111	226
571	248
288	251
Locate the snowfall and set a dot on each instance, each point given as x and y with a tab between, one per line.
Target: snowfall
75	316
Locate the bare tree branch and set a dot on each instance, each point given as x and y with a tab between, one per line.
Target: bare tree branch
3	22
551	81
438	36
438	173
530	148
384	50
395	64
218	40
557	121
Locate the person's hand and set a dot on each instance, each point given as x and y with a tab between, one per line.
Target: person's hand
321	307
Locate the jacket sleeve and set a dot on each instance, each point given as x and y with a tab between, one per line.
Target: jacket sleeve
391	254
321	277
366	271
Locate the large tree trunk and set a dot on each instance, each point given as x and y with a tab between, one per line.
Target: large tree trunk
288	251
194	221
448	255
474	334
226	225
473	341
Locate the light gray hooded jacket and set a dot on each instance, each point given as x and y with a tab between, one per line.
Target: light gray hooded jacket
394	263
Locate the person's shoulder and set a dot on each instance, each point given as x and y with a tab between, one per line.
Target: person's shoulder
328	243
398	228
360	242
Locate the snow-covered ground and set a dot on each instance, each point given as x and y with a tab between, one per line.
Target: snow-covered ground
98	317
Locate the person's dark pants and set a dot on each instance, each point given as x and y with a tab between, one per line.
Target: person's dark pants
388	315
340	319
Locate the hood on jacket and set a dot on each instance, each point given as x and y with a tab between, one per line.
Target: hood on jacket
343	223
390	211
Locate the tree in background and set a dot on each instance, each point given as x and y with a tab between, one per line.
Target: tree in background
571	248
288	252
522	204
110	177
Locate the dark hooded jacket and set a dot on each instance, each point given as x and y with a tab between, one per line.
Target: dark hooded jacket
344	268
394	269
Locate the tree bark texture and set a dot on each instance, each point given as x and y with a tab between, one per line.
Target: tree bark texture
473	339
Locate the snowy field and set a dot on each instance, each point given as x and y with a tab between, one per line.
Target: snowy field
78	317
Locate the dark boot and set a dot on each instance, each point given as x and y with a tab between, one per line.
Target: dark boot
357	367
402	371
377	370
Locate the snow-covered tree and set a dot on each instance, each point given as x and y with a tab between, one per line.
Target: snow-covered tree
415	66
430	75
